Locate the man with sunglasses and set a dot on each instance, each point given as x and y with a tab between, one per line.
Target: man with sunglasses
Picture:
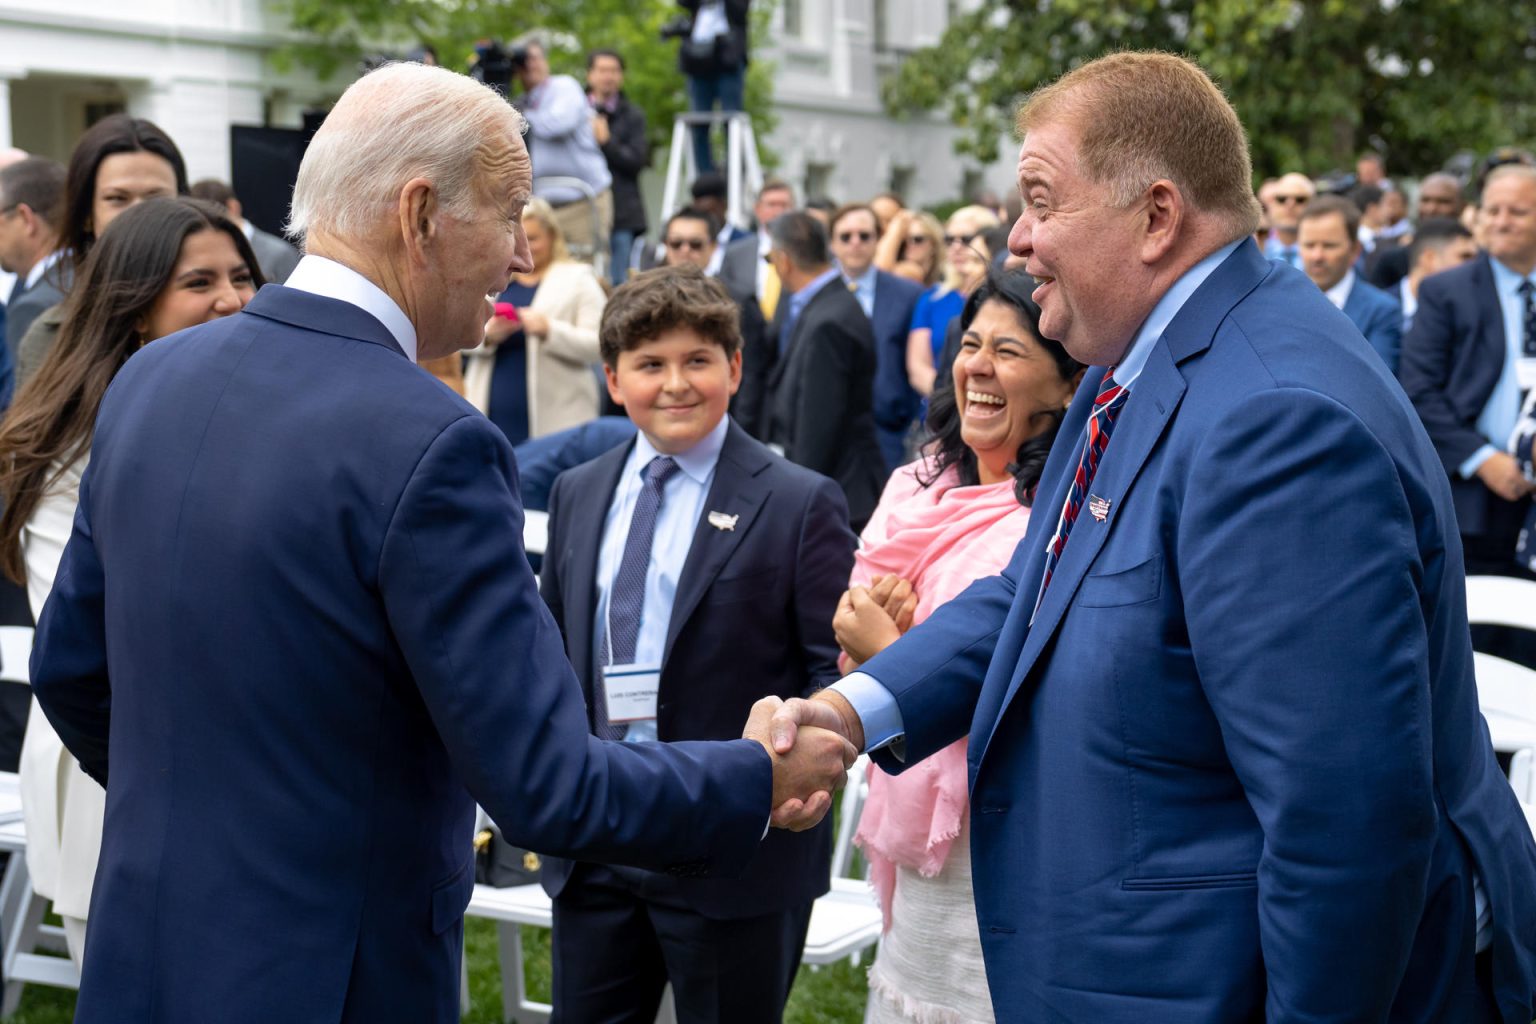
888	301
690	238
1287	199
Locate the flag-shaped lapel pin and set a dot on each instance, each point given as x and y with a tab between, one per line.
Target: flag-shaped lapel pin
1098	507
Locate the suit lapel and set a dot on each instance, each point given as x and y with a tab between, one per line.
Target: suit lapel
735	491
1155	396
1491	313
586	538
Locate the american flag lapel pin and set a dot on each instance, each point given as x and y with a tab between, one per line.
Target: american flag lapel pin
1098	507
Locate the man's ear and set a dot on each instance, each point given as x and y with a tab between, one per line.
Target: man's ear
418	212
1163	220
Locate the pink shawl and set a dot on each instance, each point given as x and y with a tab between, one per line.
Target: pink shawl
941	538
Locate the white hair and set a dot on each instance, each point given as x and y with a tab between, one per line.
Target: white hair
399	122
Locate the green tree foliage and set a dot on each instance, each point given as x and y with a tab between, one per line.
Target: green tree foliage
338	34
1315	81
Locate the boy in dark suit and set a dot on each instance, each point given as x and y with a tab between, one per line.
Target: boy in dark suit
691	572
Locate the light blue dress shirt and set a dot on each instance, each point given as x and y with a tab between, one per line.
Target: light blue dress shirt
876	708
1502	410
863	288
1277	250
682	502
560	124
798	302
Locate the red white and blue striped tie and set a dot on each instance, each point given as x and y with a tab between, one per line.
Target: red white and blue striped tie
1106	407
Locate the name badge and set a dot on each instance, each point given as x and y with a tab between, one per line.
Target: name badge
1525	372
631	692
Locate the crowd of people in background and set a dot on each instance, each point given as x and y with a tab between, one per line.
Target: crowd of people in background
889	350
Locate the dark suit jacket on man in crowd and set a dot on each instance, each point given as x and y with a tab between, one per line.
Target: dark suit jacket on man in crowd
896	403
320	621
752	617
1452	358
738	266
25	306
1379	318
820	395
628	152
1230	766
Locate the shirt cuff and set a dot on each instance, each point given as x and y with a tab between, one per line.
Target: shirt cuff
877	709
1469	468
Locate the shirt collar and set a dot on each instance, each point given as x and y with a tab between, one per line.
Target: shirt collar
248	229
1339	293
808	292
41	267
1130	365
698	462
865	281
320	276
1506	280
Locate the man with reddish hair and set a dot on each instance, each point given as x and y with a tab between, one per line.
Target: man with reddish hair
1225	751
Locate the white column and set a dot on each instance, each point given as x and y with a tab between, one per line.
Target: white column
5	106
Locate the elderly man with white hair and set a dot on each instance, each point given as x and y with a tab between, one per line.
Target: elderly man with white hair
295	635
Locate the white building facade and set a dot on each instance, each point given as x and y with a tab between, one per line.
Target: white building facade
834	137
194	67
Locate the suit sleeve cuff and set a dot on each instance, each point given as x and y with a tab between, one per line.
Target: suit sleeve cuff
1469	468
877	710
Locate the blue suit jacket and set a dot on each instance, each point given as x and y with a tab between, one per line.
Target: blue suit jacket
896	404
752	617
296	623
1235	770
1452	358
1379	318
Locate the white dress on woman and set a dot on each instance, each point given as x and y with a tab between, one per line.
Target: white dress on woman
62	806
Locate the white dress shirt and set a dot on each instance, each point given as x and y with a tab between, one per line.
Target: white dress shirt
682	502
1339	293
320	276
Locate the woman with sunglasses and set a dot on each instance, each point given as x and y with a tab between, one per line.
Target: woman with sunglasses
536	373
163	266
965	252
912	247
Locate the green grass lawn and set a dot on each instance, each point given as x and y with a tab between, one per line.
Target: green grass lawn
830	995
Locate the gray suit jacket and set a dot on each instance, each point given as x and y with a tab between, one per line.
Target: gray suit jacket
738	267
277	257
26	307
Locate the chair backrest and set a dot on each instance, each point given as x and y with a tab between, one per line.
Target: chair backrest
848	811
1522	775
15	654
535	531
1501	601
1506	693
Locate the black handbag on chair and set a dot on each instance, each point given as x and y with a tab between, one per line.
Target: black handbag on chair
501	865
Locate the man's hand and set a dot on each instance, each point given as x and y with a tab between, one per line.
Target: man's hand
1500	473
600	129
805	777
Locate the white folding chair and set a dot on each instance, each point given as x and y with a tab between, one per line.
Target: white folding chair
1506	691
21	909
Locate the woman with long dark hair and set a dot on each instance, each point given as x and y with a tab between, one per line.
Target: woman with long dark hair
163	266
119	161
944	521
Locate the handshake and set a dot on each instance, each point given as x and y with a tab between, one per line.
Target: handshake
812	744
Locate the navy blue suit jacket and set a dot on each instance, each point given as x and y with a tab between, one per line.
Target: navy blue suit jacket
1379	318
752	618
295	635
1452	358
1235	770
896	403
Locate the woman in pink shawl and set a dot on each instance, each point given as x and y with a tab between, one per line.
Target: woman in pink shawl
946	520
